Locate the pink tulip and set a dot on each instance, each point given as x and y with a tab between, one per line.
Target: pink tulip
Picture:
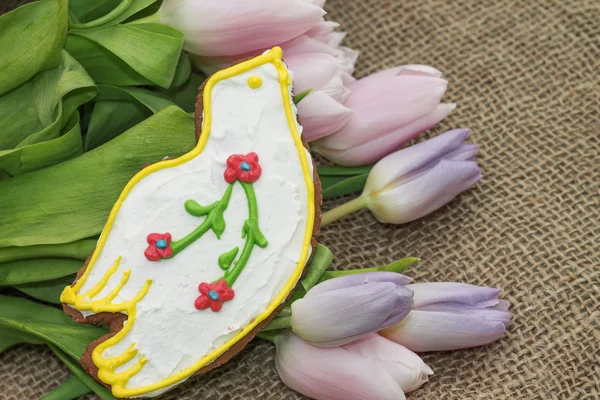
372	368
450	316
217	28
389	109
344	309
322	111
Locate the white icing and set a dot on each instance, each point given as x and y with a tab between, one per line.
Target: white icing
168	330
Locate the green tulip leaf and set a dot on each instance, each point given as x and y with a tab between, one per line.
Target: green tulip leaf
185	95
31	41
321	260
39	122
343	171
344	186
48	291
109	119
152	50
40	155
102	65
119	108
76	370
85	10
12	337
72	388
183	71
50	324
37	270
398	267
79	250
72	200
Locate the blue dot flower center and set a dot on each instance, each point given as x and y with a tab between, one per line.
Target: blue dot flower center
161	244
213	295
245	166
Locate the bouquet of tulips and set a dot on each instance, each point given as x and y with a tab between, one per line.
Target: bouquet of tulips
88	90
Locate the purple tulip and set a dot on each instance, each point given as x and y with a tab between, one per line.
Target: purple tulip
216	28
389	109
344	309
418	180
372	368
450	316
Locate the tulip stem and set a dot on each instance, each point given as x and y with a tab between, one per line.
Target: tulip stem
279	323
343	210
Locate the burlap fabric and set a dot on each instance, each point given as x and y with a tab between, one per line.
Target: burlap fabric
525	75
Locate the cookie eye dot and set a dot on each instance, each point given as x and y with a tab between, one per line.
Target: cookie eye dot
255	82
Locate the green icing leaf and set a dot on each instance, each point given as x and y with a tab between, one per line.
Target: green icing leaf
226	259
76	369
47	323
48	291
31	40
72	388
72	200
153	50
37	270
197	210
79	250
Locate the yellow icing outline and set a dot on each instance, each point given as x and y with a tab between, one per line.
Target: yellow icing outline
106	373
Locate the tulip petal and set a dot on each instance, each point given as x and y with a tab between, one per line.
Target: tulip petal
321	115
414	69
226	28
332	373
399	166
358	280
407	368
376	149
385	106
343	315
439	331
312	70
456	292
426	194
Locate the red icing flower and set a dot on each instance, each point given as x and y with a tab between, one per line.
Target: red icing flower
243	167
159	246
213	295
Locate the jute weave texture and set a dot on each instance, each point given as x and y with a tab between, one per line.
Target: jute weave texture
526	77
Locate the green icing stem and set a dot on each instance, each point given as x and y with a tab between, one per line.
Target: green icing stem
251	232
214	220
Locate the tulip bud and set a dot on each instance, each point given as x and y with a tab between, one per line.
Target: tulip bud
372	368
341	310
450	316
417	180
226	28
389	109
